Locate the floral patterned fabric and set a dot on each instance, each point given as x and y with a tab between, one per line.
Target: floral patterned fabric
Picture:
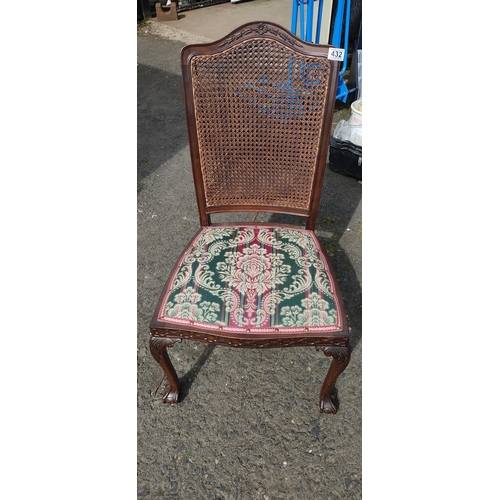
253	279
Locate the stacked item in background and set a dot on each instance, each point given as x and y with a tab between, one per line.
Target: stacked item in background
359	74
346	143
355	73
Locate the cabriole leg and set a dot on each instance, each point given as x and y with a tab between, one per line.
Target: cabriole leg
341	356
158	347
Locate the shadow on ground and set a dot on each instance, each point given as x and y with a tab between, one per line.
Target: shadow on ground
161	125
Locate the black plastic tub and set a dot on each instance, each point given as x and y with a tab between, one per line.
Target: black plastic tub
345	158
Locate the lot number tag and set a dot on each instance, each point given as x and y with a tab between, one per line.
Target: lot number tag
335	54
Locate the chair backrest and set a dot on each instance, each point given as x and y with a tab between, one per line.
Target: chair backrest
259	106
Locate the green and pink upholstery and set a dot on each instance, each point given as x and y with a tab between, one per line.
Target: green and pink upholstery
252	279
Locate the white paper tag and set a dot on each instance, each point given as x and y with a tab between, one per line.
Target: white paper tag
335	54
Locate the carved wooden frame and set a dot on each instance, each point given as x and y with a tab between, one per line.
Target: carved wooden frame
336	345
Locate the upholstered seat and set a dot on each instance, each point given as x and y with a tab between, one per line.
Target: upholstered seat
252	279
259	107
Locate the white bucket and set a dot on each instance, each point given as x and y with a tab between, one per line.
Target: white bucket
357	114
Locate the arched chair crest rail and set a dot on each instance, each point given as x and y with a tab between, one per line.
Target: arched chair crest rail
259	107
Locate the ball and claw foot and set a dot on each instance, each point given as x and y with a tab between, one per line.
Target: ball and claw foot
171	396
327	405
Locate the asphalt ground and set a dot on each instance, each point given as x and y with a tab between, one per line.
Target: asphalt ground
248	425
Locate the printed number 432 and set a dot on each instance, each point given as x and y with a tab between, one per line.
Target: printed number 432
335	54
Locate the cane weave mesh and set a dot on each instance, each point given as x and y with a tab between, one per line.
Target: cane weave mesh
259	111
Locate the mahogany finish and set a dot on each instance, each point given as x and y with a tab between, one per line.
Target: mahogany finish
259	107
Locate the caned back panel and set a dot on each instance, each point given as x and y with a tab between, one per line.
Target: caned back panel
259	110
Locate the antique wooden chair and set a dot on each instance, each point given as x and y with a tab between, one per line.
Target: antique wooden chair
259	106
